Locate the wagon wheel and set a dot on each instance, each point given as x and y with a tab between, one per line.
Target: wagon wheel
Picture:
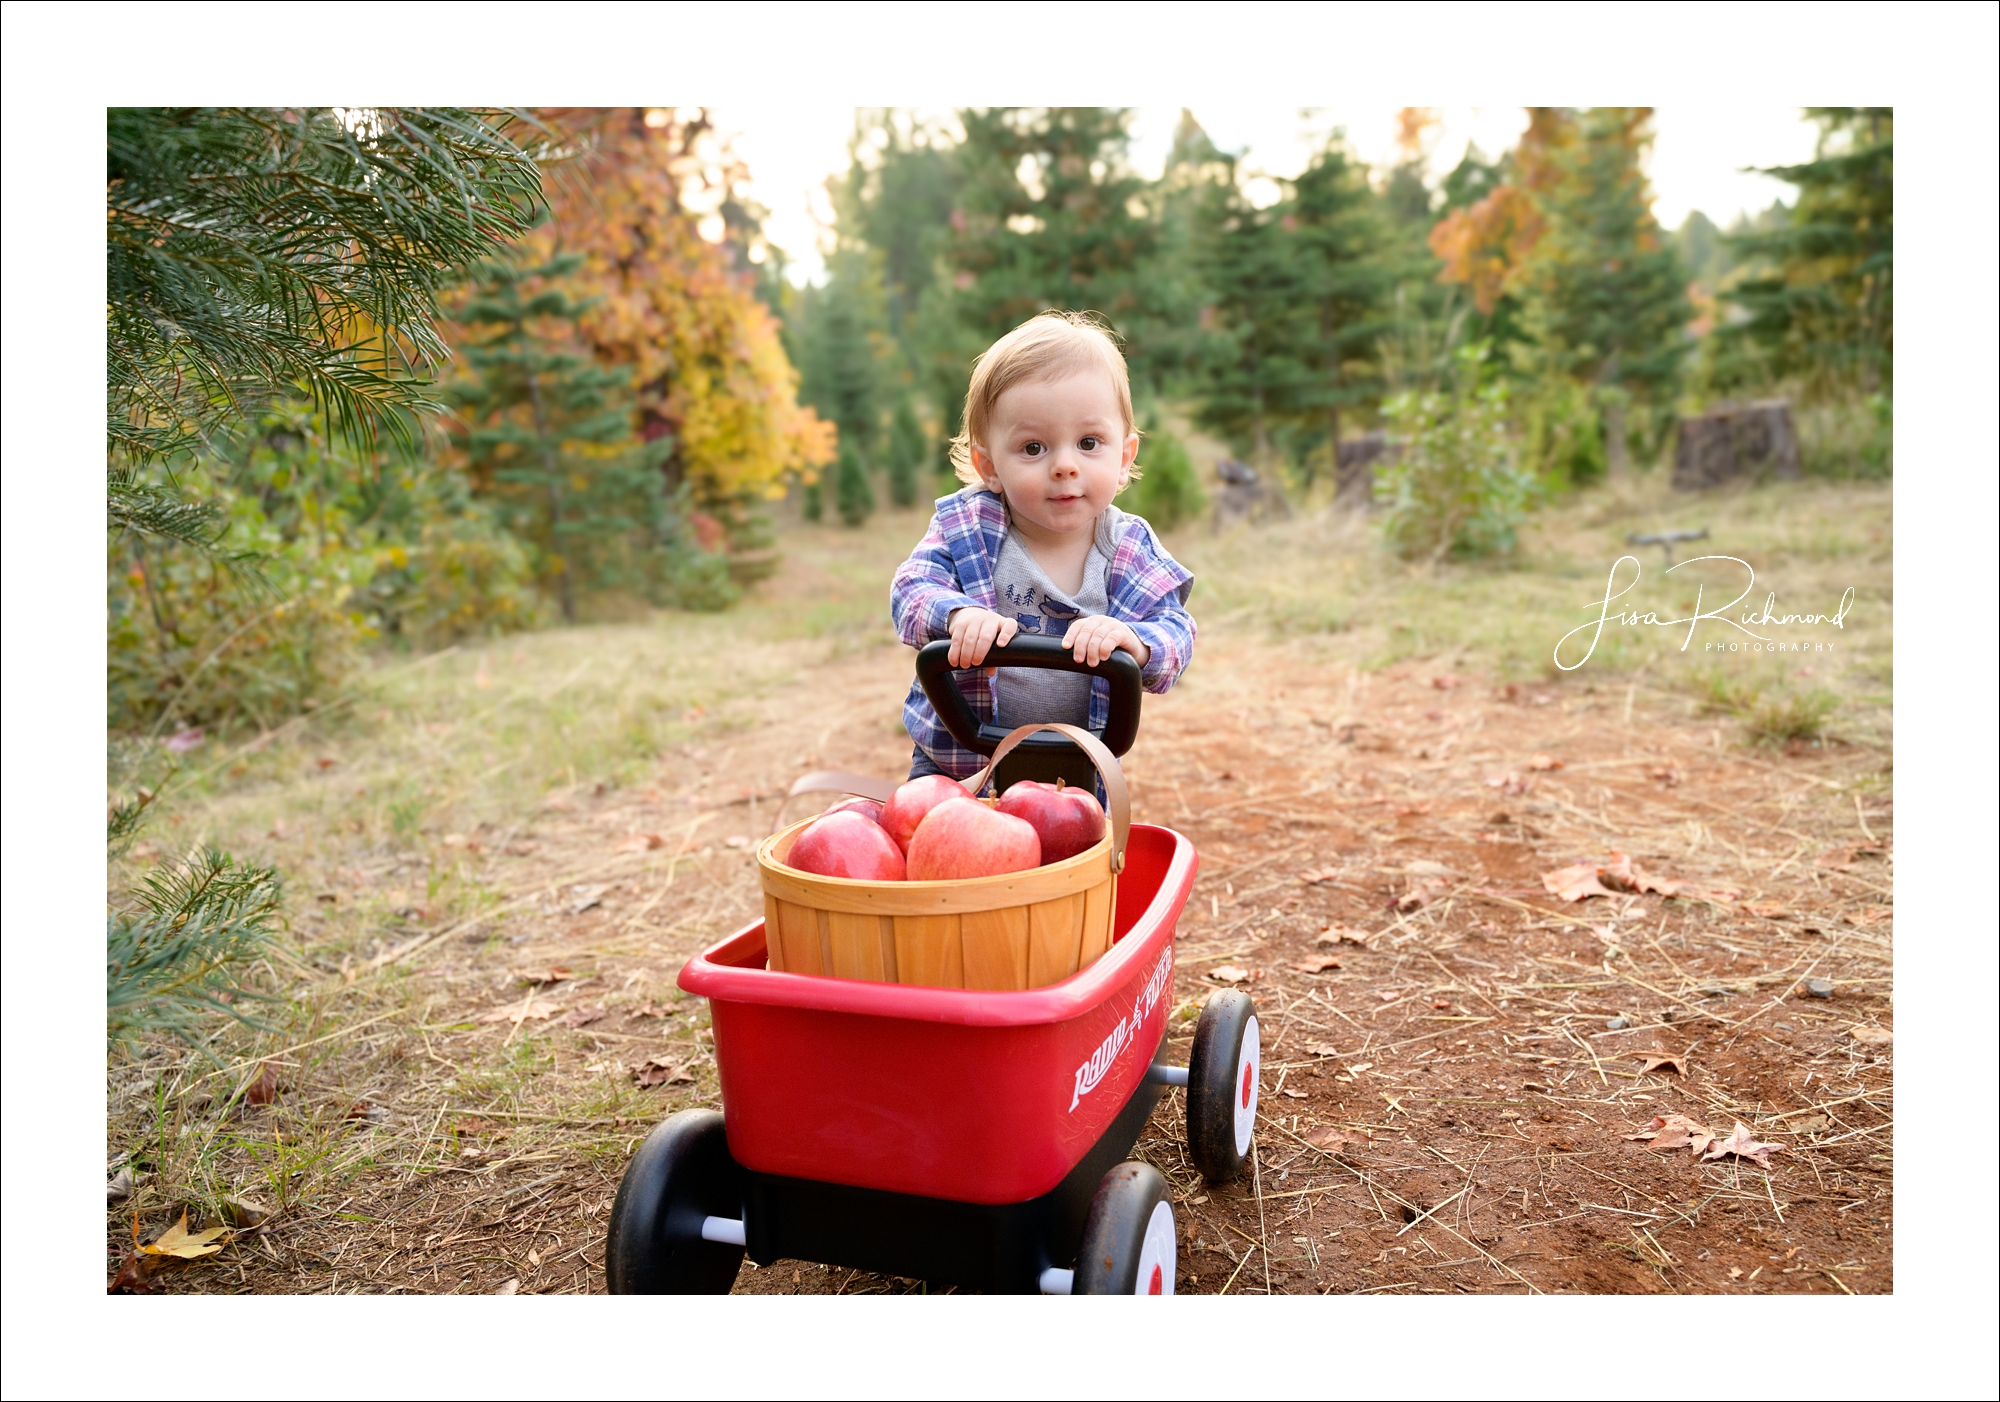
681	1176
1128	1239
1222	1085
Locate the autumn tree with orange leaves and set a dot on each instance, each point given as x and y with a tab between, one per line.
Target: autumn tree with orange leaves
708	368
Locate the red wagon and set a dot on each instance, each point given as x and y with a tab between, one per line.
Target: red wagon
963	1137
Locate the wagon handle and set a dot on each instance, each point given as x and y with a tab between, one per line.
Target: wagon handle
1120	669
1120	803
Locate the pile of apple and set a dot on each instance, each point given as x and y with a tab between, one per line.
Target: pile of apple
931	829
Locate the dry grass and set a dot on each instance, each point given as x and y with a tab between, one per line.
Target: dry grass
452	836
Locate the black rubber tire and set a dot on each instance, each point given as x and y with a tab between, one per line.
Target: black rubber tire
1114	1235
680	1175
1222	1089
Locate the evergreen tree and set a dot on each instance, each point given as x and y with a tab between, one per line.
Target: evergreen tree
253	252
907	451
1821	303
1344	244
896	199
841	335
1612	291
550	432
1050	214
1254	361
852	496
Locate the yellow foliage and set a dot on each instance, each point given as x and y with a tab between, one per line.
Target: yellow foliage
708	365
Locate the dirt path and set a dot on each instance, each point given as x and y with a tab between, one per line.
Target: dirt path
1446	1107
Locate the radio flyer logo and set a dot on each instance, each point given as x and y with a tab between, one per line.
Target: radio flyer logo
1126	1033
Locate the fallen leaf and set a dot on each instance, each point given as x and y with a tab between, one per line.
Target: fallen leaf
652	1009
177	1241
1321	1049
1735	1272
1317	964
1229	973
1417	897
1872	1036
1334	1141
738	841
1343	934
533	1010
586	897
582	1017
243	1213
131	1276
472	1125
1388	997
1574	882
1445	682
511	1287
1358	1067
1678	1062
181	741
1313	876
659	1071
1291	1094
1665	774
1511	783
1807	1124
121	1185
554	975
1440	1002
1542	763
1766	910
1743	1146
1625	872
264	1089
1844	858
1675	1132
641	842
326	762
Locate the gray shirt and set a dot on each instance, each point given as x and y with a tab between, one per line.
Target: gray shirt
1024	592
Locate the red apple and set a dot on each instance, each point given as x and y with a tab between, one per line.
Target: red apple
959	840
1067	820
869	808
908	805
849	845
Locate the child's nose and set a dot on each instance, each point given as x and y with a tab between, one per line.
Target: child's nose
1063	463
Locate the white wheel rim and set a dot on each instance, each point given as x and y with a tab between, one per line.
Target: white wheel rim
1156	1254
1244	1093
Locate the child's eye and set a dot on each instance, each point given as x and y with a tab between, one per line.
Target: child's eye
1033	450
1090	443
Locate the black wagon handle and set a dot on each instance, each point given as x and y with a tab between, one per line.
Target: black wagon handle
1121	669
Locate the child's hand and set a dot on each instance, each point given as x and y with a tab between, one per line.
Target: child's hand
974	631
1091	640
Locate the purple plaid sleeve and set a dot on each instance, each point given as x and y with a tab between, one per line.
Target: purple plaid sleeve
952	568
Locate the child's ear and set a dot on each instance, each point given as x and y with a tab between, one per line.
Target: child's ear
982	463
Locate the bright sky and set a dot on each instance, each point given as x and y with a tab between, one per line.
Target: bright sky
1696	164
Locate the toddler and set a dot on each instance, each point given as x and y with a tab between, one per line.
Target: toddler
1032	543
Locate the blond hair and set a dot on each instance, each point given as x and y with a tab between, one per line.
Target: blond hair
1050	345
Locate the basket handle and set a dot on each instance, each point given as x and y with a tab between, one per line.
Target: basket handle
833	781
1120	802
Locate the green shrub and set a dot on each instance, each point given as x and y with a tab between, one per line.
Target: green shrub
1167	490
177	957
1848	438
1455	487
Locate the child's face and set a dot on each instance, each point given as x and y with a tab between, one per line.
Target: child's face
1059	452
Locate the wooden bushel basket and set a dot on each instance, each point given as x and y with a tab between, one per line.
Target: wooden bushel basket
1023	929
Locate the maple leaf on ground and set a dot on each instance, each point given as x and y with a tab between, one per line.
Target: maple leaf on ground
1675	1132
1743	1146
1677	1062
581	1017
1335	1141
1321	1049
659	1071
557	975
1317	964
1229	973
177	1241
1574	882
651	1009
1625	872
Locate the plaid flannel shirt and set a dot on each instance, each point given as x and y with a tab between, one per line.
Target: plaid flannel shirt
952	568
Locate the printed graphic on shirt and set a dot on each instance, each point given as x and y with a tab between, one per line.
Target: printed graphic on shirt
1049	615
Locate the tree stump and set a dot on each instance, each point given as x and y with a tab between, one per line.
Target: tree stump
1244	495
1731	441
1354	468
